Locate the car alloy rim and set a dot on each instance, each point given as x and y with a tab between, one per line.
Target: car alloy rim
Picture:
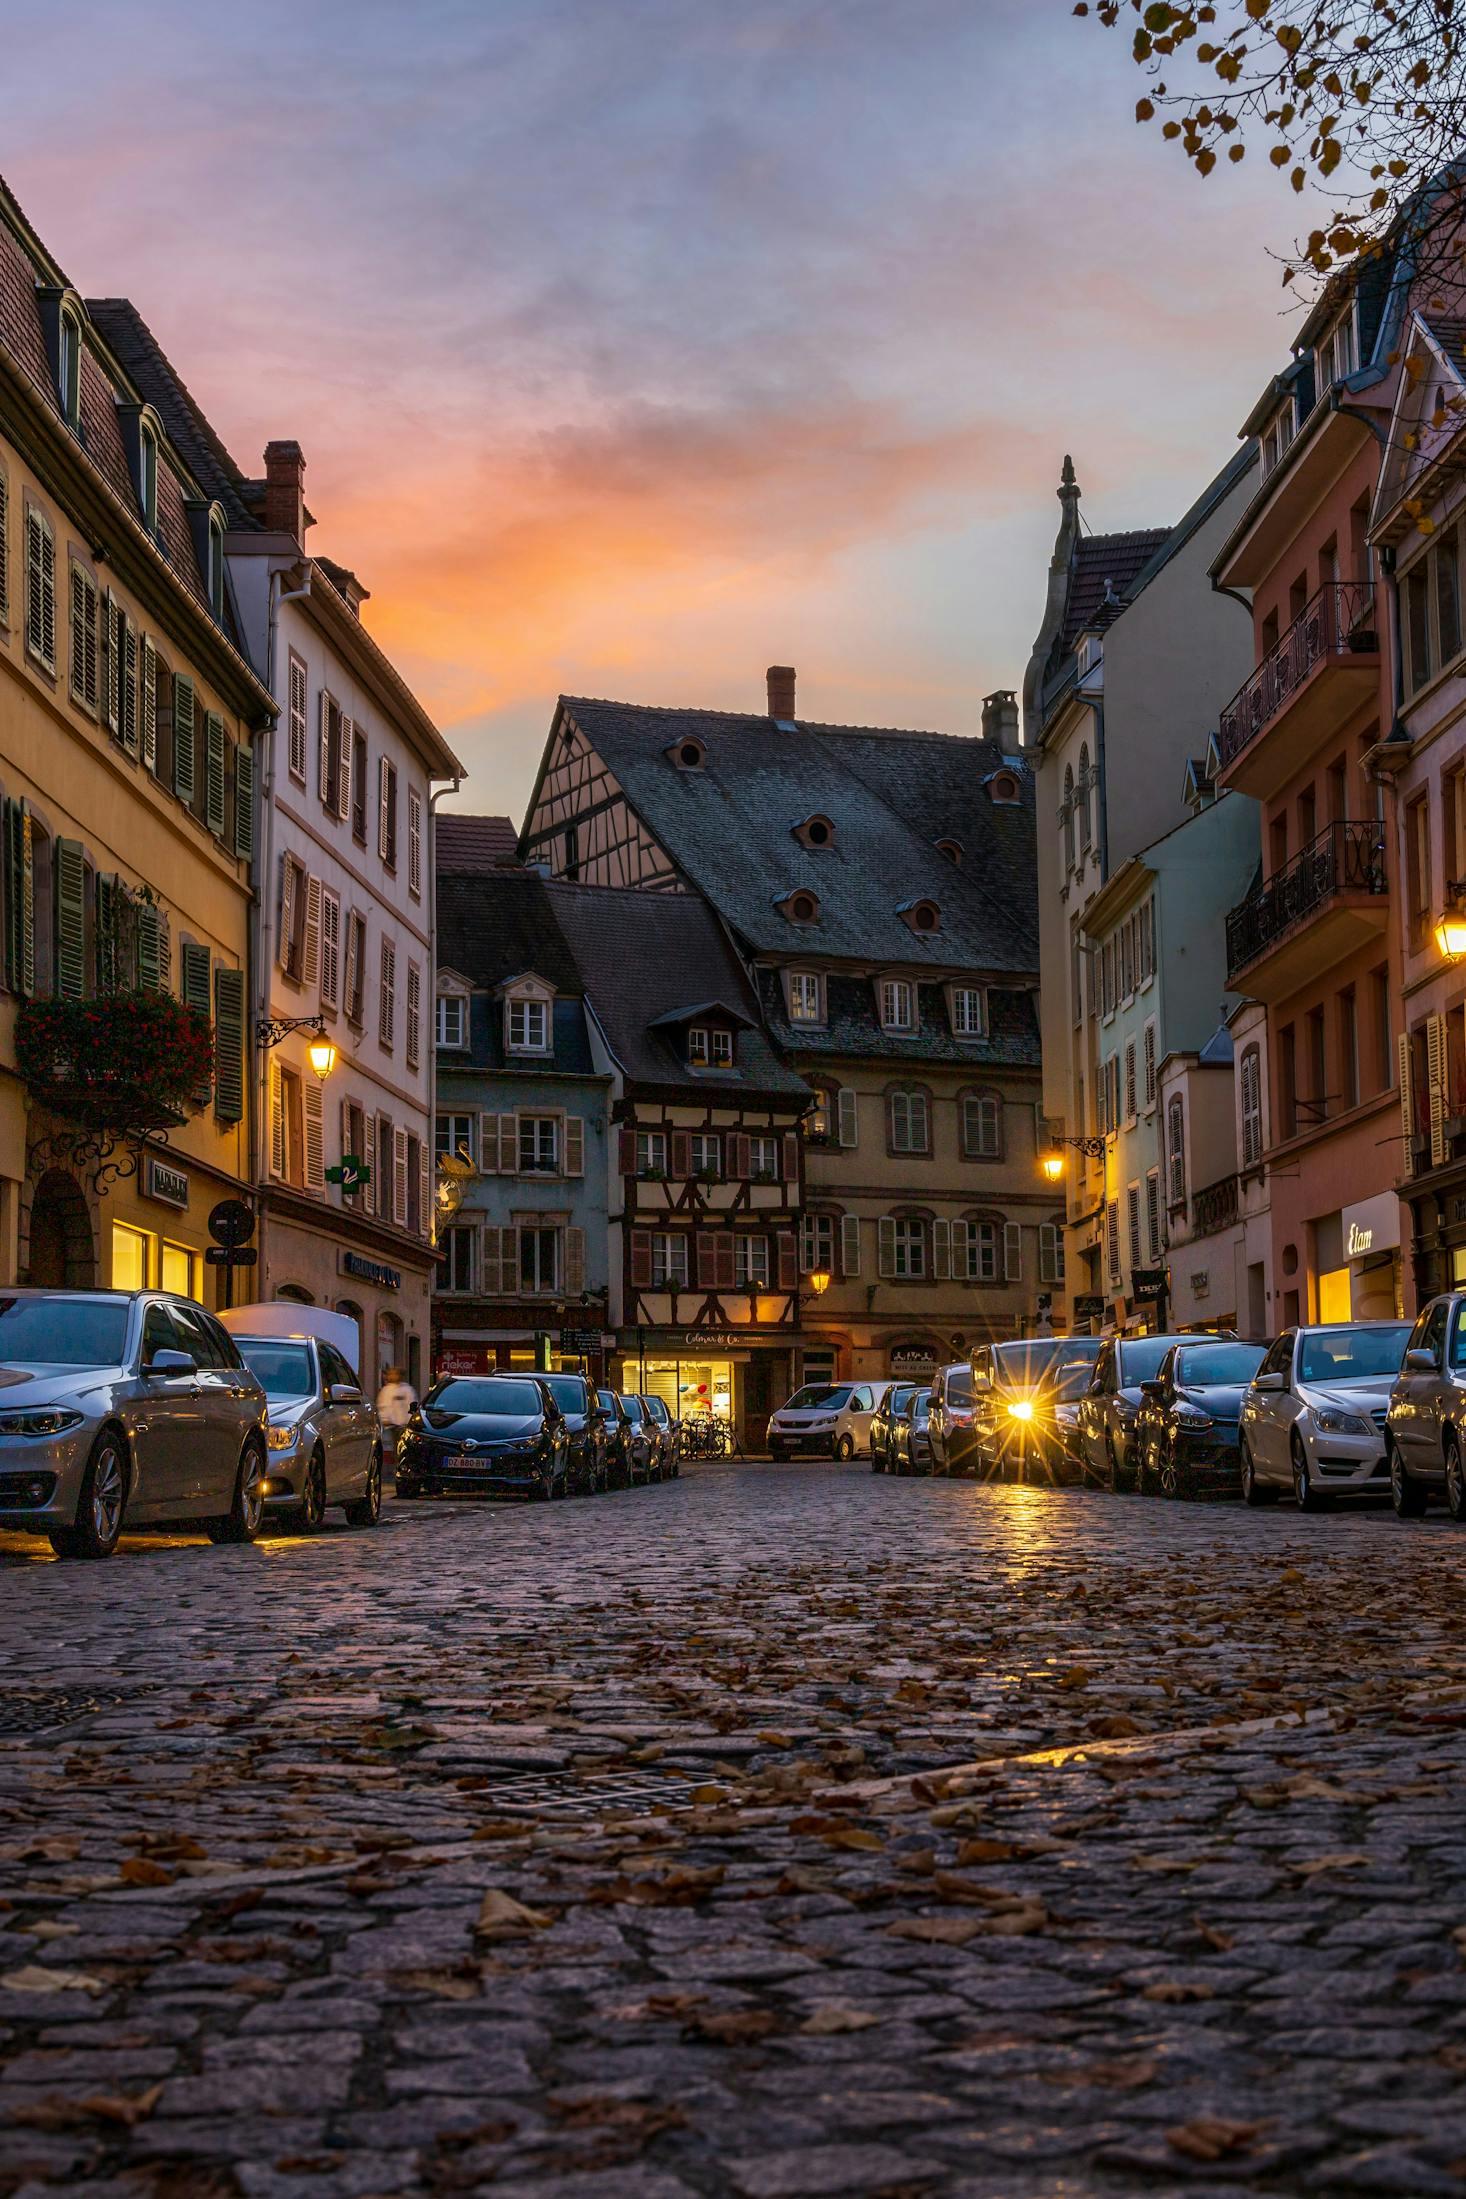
107	1494
252	1503
374	1484
315	1502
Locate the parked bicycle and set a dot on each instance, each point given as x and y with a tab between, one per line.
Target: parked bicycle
705	1435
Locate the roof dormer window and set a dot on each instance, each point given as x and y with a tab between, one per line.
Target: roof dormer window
147	476
801	907
68	366
1334	355
921	916
688	754
1276	437
214	573
897	997
1003	788
527	1020
951	850
815	832
709	1048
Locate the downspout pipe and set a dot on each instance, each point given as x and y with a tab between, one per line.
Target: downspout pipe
434	797
1098	706
264	868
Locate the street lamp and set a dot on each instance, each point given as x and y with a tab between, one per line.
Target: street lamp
1052	1165
322	1051
819	1281
1450	931
1051	1161
321	1054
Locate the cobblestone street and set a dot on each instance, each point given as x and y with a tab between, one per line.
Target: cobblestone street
778	1831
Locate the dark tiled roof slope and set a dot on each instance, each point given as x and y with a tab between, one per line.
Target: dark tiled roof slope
890	794
853	1029
122	327
498	924
1104	564
644	955
475	843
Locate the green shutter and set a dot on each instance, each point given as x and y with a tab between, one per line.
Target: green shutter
71	919
106	935
214	773
183	739
196	992
244	800
229	1044
149	948
20	902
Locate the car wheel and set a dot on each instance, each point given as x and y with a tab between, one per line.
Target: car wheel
241	1523
367	1509
1455	1480
845	1449
1305	1496
1118	1481
1406	1493
879	1463
1253	1491
101	1504
1168	1476
313	1496
1149	1468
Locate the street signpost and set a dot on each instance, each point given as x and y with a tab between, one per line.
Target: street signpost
230	1256
231	1225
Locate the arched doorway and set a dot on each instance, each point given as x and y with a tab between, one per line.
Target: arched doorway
63	1250
297	1294
353	1312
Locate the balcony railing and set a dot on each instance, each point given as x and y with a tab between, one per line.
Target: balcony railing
1214	1207
1339	621
1345	857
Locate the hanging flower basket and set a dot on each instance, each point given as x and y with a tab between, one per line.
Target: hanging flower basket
129	1061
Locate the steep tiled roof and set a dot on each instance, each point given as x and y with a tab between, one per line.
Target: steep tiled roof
729	828
853	1028
498	924
475	843
1102	569
642	956
138	350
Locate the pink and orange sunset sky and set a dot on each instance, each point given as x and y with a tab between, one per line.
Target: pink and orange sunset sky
637	344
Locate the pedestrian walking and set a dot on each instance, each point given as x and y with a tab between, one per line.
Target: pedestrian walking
395	1400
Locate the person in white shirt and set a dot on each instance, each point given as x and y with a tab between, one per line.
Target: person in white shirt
395	1400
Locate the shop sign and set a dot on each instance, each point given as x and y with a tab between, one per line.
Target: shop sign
912	1359
1148	1282
1370	1226
1201	1282
1089	1306
165	1183
371	1271
580	1339
464	1359
708	1340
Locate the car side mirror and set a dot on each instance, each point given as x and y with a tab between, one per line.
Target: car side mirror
342	1393
1269	1382
982	1381
167	1361
1153	1388
1419	1362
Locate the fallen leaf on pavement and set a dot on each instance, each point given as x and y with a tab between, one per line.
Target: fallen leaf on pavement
501	1916
140	1870
1212	2137
948	1931
33	1978
736	2026
1343	1862
835	2017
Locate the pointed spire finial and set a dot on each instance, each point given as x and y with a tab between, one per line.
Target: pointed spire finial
1068	486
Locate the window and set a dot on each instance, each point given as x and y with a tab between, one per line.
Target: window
178	1270
976	1250
214	575
130	1258
898	1004
651	1152
1335	355
817	1123
1066	817
387	812
669	1260
452	1019
68	367
1417	869
706	1150
453	1135
698	1050
909	1124
1051	1252
722	1049
1276	437
908	1249
387	997
1431	607
1417	623
1147	942
763	1157
294	906
1148	1051
538	1265
751	1263
358	788
297	725
529	1027
1349	1047
1446	558
539	1148
969	1011
817	1243
982	1126
1251	1093
414	843
1176	1151
805	1004
458	1256
1081	796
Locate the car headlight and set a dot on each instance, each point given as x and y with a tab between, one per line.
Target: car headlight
1124	1410
1331	1421
1191	1416
280	1438
1021	1408
41	1420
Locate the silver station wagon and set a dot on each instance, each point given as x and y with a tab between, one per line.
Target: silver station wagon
121	1408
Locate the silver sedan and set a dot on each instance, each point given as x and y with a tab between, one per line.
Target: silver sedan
1313	1420
324	1440
124	1407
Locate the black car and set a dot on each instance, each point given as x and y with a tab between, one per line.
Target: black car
1186	1428
585	1424
643	1439
911	1434
668	1433
622	1451
1025	1406
895	1401
485	1431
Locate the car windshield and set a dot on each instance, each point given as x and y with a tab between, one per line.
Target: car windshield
606	1399
1352	1355
959	1386
63	1332
1072	1369
898	1398
1140	1359
568	1391
1202	1364
282	1370
465	1394
633	1408
818	1397
921	1406
1044	1360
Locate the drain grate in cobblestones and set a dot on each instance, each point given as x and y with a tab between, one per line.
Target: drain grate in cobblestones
562	1794
24	1716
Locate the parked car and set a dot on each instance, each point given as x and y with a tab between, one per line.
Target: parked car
125	1408
911	1437
1426	1424
895	1400
1314	1419
485	1431
325	1446
623	1448
826	1419
644	1439
659	1414
1107	1411
1025	1406
585	1425
950	1424
1186	1428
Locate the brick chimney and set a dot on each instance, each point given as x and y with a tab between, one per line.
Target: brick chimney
285	490
1000	720
781	691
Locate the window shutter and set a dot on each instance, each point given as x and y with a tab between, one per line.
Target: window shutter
849	1244
791	1158
574	1145
1407	1095
4	550
508	1145
399	1177
627	1143
942	1250
323	748
315	1134
277	1120
149	948
387	1005
71	920
488	1144
297	732
40	590
83	638
961	1238
184	729
127	651
705	1260
371	1189
352	994
229	1045
20	905
310	957
723	1241
214	773
681	1153
1013	1251
383	810
345	729
194	980
289	886
330	949
739	1156
574	1262
788	1245
1435	1060
425	1190
493	1261
414	841
244	800
148	704
414	1015
886	1245
848	1115
641	1259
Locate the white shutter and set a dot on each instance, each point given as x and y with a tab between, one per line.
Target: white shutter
345	1136
399	1177
886	1245
425	1190
488	1145
387	1003
574	1262
310	960
847	1116
962	1250
414	1015
323	748
315	1134
942	1250
347	727
1013	1251
414	841
330	949
849	1244
1407	1096
371	1195
111	668
493	1261
508	1145
383	812
574	1145
287	911
277	1121
355	944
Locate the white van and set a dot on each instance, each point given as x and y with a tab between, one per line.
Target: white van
283	1317
827	1420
